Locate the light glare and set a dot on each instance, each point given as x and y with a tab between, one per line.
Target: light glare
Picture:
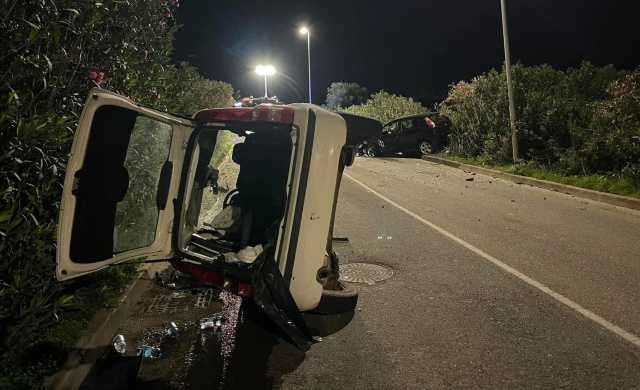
304	30
265	70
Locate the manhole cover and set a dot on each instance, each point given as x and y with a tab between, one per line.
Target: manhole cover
364	273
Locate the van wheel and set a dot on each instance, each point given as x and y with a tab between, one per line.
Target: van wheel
425	148
342	300
372	151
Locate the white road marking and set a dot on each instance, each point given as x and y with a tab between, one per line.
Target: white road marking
628	336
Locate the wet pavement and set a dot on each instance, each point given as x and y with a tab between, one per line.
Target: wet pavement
196	337
444	318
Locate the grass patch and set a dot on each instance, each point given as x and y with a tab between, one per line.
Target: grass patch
603	183
26	369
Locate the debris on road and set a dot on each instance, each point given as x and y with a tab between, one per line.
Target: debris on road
149	352
119	344
214	322
172	329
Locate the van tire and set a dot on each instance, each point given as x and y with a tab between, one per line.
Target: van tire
338	301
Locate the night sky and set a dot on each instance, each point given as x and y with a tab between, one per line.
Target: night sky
413	48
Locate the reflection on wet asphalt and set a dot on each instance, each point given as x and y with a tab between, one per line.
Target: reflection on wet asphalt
235	348
184	335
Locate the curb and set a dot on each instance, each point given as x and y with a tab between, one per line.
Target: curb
99	333
612	199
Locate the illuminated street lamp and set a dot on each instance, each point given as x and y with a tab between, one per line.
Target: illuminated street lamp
304	30
266	71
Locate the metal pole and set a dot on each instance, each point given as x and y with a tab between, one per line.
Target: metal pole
266	94
309	61
507	60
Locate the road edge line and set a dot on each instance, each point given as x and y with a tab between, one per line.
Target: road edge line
604	197
611	327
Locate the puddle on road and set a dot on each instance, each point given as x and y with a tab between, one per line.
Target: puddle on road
226	344
218	341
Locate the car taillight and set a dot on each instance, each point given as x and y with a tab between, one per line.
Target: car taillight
430	123
262	113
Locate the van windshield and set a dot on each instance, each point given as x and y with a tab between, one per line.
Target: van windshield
239	192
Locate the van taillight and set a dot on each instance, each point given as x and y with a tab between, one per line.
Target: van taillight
214	278
430	123
262	113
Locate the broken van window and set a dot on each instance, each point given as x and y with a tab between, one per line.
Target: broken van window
137	214
115	190
239	194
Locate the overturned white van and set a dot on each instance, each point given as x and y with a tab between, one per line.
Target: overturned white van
244	198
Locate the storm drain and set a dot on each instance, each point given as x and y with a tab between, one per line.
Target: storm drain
365	273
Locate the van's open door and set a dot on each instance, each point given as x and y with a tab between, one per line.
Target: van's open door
121	181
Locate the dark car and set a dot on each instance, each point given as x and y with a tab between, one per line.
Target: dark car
416	135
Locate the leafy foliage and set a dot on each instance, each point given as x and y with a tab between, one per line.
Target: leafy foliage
572	121
385	107
53	52
342	94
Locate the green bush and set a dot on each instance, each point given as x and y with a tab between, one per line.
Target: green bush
578	121
612	139
342	94
385	107
53	52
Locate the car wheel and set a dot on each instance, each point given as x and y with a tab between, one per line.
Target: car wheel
425	148
372	151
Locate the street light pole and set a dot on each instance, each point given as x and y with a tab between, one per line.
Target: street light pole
305	30
507	60
266	93
266	71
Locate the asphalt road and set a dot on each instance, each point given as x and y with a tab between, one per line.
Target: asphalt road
496	285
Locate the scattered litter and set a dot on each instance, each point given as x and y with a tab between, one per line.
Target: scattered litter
119	344
470	179
172	329
149	352
244	255
179	295
317	339
214	322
